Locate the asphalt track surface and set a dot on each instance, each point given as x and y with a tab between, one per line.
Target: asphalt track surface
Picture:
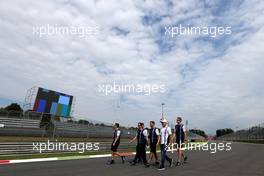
243	160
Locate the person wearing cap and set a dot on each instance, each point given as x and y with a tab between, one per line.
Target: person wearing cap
142	142
116	142
154	138
165	135
180	137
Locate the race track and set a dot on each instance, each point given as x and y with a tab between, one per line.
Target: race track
243	160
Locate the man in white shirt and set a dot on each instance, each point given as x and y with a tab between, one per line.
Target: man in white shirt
165	135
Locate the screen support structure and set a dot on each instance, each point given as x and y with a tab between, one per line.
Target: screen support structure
73	106
30	98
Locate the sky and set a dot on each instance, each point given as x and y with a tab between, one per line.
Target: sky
213	82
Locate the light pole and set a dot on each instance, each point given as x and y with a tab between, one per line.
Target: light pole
162	112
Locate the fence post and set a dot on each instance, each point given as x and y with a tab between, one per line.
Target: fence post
87	132
54	126
64	126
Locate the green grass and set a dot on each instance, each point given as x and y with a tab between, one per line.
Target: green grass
58	154
65	154
50	155
61	154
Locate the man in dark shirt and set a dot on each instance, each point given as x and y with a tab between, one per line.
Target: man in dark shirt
154	138
116	142
180	136
142	142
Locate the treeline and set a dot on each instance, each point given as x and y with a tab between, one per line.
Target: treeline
12	107
225	131
86	122
198	132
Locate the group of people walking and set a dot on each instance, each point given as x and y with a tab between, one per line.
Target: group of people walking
153	137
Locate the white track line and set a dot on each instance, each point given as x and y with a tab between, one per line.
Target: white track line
32	160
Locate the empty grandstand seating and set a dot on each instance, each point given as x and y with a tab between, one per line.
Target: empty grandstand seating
31	127
19	123
81	130
20	127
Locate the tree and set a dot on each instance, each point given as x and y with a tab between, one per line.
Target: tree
70	121
225	131
14	107
199	132
85	122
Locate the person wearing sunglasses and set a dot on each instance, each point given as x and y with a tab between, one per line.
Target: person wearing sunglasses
142	142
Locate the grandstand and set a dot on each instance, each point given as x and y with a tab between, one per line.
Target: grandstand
16	124
30	124
82	130
19	123
255	133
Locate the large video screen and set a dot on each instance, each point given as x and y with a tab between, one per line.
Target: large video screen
52	102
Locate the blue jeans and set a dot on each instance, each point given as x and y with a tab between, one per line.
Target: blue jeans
164	156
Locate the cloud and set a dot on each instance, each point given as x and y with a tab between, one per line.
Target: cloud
212	82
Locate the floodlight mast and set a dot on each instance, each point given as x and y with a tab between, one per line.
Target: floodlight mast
162	110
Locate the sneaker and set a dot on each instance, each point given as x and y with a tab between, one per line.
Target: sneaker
161	169
111	162
185	159
178	163
123	159
133	163
147	165
156	163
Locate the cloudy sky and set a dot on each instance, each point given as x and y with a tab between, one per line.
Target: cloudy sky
214	82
